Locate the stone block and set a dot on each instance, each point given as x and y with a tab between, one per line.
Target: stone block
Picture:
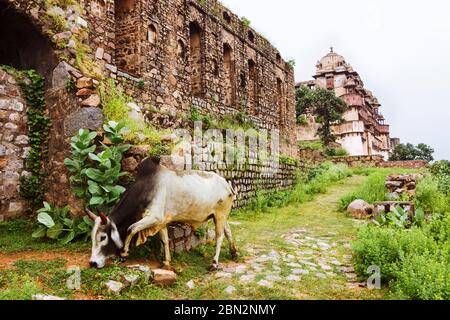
87	118
163	277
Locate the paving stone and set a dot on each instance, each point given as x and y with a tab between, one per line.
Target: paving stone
265	283
293	277
223	275
300	271
247	278
230	289
321	275
351	276
273	278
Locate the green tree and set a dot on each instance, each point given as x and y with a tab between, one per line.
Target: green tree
325	107
408	151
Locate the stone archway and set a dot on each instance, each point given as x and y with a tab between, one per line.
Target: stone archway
22	46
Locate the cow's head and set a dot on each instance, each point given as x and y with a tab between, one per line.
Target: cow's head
106	241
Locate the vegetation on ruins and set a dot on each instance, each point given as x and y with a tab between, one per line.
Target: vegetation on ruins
58	224
403	152
411	251
115	108
326	151
317	180
96	171
324	106
33	88
238	120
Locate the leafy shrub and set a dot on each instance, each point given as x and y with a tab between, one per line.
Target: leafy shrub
336	152
441	171
423	277
400	218
372	190
96	175
312	145
57	224
429	196
387	247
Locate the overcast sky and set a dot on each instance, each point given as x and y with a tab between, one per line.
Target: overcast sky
400	48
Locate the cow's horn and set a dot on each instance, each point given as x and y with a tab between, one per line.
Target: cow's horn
103	217
90	214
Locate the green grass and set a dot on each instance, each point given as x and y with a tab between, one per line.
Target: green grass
15	236
373	189
317	213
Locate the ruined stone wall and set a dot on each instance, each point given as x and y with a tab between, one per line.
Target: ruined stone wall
378	161
412	164
249	178
181	53
161	63
13	146
359	161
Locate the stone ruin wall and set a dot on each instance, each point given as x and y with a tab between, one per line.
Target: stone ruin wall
186	53
378	161
13	146
167	85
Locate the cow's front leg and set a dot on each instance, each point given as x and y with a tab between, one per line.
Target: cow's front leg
146	223
164	233
220	227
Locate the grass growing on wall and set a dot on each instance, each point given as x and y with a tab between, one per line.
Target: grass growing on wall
314	182
115	108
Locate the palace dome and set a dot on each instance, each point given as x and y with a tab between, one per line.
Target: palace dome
331	62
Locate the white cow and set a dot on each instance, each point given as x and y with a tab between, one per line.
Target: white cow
159	197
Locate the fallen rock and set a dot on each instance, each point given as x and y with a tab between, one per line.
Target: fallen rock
114	287
163	277
92	101
84	82
190	284
84	92
86	118
360	209
131	279
46	297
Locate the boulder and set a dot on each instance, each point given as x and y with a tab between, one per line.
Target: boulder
163	277
114	287
360	209
92	101
85	118
60	75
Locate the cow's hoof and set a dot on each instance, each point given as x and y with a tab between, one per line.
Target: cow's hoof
234	256
124	255
213	267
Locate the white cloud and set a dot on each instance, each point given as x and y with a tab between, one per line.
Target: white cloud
401	49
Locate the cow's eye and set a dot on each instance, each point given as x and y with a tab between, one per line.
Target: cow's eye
102	238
